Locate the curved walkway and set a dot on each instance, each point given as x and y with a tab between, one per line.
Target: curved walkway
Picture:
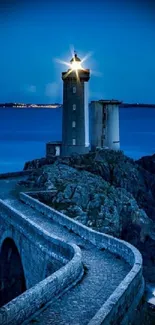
103	271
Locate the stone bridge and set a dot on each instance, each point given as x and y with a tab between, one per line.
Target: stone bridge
53	270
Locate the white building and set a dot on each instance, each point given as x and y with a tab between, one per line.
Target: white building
104	124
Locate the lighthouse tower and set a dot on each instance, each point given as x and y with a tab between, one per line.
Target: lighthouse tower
75	127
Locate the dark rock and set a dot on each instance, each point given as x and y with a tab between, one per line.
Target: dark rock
38	163
107	191
148	163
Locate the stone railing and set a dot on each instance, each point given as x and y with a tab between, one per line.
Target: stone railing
127	295
22	307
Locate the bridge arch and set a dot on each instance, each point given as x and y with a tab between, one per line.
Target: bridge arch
12	279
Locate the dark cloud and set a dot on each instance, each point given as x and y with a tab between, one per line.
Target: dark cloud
9	6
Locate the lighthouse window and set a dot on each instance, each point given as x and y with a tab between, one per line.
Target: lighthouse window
74	142
73	124
74	107
74	90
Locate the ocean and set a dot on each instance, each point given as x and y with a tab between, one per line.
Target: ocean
24	133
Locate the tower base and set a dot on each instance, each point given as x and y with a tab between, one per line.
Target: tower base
68	150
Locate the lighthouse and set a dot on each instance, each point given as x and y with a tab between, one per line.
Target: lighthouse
75	120
102	115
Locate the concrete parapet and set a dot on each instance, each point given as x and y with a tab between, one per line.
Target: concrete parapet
120	303
22	307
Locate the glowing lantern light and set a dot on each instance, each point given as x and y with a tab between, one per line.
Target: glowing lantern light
75	63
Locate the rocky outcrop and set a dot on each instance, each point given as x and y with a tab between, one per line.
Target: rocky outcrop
38	163
148	163
104	190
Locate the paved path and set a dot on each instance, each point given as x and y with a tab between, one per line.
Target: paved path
103	273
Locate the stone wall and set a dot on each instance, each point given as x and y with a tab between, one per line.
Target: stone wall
15	174
36	247
125	299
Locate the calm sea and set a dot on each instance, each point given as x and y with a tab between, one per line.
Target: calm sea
24	133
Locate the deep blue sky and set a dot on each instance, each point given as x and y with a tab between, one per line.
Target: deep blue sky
120	34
